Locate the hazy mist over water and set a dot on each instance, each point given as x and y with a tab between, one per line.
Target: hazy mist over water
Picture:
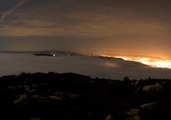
15	63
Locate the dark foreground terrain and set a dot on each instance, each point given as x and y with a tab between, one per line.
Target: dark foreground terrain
69	96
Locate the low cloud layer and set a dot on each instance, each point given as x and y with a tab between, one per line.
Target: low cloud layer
93	66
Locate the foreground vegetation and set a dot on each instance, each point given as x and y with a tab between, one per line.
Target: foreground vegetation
69	96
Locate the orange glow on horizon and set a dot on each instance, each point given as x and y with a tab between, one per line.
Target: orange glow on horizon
150	61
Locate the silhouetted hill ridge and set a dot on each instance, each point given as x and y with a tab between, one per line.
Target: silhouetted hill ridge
52	96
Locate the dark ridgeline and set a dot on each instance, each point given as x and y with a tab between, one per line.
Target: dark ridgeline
69	96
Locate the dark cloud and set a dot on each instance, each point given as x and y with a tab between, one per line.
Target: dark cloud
8	12
115	26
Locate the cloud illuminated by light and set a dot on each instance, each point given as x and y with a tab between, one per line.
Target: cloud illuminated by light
110	65
150	61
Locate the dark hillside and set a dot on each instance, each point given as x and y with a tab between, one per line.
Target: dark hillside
70	96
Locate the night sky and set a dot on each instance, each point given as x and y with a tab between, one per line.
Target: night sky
121	27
